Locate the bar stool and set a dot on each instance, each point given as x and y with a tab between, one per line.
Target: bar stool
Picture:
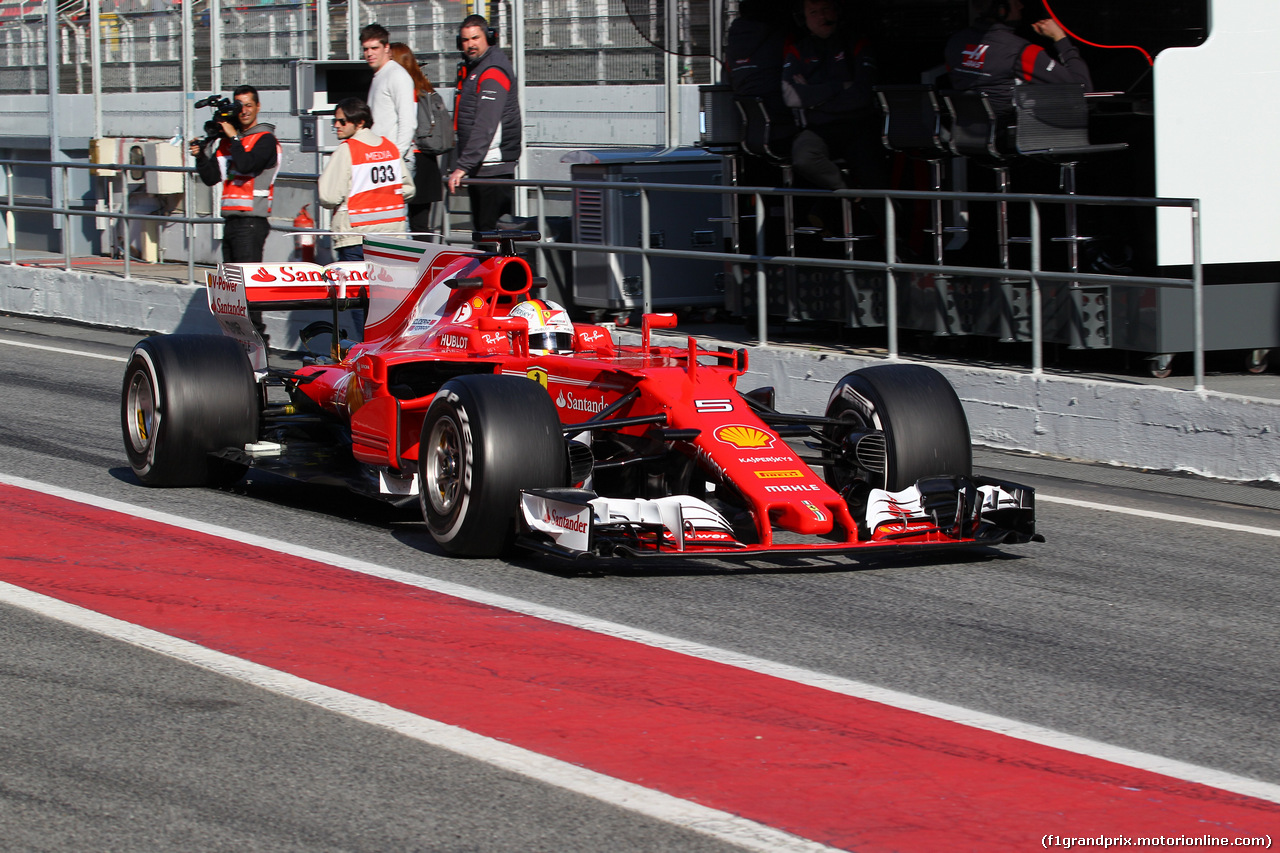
913	126
1052	126
758	140
974	135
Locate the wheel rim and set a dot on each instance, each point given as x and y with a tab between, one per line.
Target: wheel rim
443	471
142	415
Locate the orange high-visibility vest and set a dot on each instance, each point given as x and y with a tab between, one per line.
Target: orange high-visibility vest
239	191
377	184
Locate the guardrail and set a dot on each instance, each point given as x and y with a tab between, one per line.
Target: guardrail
1036	275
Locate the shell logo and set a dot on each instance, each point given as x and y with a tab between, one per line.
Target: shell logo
744	437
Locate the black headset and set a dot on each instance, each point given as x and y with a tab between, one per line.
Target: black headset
490	36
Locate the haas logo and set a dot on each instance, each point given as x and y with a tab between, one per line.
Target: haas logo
263	275
974	56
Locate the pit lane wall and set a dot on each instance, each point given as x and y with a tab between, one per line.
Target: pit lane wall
1211	434
1207	433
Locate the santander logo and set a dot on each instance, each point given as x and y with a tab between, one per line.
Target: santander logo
263	275
565	522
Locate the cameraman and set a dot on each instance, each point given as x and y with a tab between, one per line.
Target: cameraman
244	157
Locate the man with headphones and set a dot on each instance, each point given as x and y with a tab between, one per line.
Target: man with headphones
486	116
990	57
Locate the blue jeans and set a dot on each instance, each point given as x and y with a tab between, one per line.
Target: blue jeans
354	253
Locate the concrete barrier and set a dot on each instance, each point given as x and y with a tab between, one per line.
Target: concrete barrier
1130	424
141	305
1127	424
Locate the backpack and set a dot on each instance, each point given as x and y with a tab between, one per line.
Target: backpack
435	125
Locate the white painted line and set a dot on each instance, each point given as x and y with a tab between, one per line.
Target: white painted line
626	795
1160	516
848	687
64	351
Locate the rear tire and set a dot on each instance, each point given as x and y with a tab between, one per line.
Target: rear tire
484	439
184	397
925	429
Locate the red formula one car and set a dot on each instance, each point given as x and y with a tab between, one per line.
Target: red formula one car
512	425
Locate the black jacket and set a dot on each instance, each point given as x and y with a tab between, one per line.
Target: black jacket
487	117
830	79
990	57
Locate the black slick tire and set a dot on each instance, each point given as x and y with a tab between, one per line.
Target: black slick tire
925	429
184	397
484	439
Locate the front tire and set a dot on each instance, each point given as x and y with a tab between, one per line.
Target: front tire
184	397
925	431
484	439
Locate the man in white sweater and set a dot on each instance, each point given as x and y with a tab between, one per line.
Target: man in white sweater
391	97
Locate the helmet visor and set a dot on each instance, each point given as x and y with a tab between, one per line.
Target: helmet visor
551	342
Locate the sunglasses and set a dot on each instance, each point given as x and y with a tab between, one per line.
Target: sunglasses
341	121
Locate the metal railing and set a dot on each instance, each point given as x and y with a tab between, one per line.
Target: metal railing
1035	274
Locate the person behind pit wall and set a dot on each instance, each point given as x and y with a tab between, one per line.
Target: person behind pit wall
244	160
828	73
990	56
428	182
364	183
486	116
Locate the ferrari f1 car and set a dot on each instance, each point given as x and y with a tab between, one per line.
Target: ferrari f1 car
513	426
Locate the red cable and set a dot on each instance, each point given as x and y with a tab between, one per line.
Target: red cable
1145	55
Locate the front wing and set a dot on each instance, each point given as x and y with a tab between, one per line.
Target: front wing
939	512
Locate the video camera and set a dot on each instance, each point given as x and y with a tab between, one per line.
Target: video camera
224	109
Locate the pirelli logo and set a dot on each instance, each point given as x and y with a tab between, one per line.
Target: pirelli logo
780	475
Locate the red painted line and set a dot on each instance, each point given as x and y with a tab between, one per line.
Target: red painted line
836	769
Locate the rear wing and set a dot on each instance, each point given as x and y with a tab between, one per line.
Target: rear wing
394	284
236	289
285	287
